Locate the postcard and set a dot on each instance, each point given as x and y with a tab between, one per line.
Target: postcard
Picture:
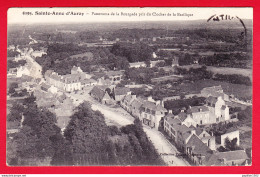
129	86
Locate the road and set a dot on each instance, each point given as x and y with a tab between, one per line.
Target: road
119	117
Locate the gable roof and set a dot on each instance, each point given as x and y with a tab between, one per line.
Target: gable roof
198	145
196	109
114	73
211	100
215	159
152	106
137	64
45	86
136	103
182	116
121	90
98	91
199	131
173	121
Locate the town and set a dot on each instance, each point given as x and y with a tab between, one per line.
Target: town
128	96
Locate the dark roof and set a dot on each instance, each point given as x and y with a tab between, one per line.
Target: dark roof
152	106
173	121
199	131
121	90
114	73
212	100
182	116
199	146
223	107
48	73
45	86
98	91
88	81
196	109
136	103
215	159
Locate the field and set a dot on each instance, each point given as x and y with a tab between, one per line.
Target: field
237	90
224	70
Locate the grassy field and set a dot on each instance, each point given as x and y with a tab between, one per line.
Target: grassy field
224	70
236	89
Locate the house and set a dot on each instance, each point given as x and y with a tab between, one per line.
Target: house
102	81
214	91
135	107
38	53
68	83
206	138
152	112
186	119
120	93
137	65
200	114
126	102
88	82
78	70
71	82
45	87
114	76
196	150
100	94
157	62
230	158
175	61
219	111
230	135
22	70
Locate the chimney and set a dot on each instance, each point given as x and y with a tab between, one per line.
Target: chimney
193	132
170	112
150	99
21	123
182	110
157	102
162	103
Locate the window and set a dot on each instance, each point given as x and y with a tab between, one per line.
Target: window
204	135
200	122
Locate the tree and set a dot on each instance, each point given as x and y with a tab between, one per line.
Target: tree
87	132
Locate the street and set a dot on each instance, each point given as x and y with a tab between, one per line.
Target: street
119	117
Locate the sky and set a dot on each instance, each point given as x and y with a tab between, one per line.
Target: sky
78	15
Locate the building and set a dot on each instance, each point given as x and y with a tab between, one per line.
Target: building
100	94
152	112
135	107
22	70
186	119
175	61
215	91
38	53
49	88
200	114
88	82
69	82
137	65
115	77
120	93
196	150
219	111
126	102
230	158
230	135
156	63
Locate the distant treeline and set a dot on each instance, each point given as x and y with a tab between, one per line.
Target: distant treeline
202	73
